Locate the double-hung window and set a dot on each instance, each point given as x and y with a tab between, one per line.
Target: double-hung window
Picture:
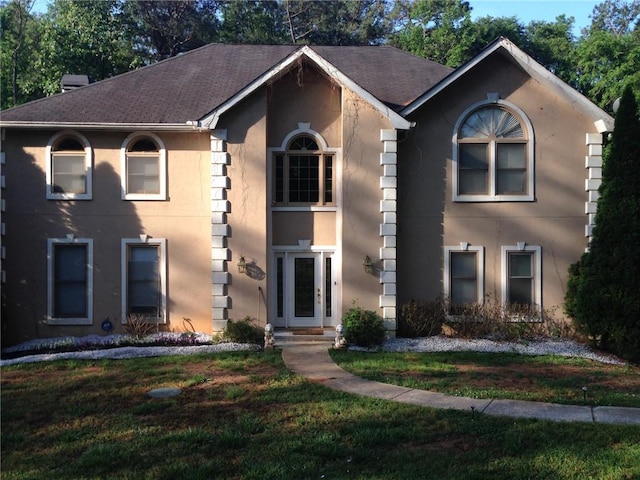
69	167
493	155
463	274
144	285
70	281
304	175
144	168
522	275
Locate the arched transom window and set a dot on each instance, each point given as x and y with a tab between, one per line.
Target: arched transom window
304	174
493	157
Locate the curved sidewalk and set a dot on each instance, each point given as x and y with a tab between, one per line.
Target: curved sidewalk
312	361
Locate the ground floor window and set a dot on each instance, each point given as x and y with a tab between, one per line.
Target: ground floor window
144	279
522	275
463	274
70	281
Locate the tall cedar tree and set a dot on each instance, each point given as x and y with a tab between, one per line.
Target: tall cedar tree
607	303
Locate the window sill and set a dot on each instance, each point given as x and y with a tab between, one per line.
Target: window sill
69	321
492	198
69	196
304	208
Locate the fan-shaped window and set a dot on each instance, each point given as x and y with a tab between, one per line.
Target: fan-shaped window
144	168
304	174
69	168
493	157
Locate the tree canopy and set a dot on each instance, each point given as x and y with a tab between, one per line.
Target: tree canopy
102	38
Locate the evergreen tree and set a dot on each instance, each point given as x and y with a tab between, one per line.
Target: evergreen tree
607	288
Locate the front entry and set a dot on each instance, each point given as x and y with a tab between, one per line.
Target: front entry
305	290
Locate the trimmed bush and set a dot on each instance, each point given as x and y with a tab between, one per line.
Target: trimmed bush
603	297
364	328
421	318
243	331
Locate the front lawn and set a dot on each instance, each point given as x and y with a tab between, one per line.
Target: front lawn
245	416
544	378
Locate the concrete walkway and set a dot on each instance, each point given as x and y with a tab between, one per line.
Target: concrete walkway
312	361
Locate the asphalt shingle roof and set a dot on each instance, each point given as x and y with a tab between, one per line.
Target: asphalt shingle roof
191	85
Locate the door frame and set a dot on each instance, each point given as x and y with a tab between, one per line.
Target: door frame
285	319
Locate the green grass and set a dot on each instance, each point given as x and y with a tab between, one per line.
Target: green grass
93	420
545	378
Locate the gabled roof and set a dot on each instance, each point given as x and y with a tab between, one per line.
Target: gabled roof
602	120
194	88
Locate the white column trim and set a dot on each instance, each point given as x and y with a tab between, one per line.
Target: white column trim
220	230
593	179
388	301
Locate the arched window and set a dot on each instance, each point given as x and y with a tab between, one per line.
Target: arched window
493	156
144	168
69	167
304	174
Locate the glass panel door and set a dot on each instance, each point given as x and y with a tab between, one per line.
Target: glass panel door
304	303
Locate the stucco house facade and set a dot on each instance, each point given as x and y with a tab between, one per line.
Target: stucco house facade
285	183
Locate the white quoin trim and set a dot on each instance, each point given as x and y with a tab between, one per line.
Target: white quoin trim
388	301
219	229
593	179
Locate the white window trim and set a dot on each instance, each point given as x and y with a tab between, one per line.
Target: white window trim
492	197
537	265
305	129
88	165
464	247
144	240
70	240
162	169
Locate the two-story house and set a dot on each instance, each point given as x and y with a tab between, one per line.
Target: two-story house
286	183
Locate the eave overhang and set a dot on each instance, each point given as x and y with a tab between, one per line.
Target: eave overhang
397	121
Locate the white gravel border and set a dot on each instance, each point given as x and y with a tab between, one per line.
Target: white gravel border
85	347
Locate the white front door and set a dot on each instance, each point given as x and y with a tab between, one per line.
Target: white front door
305	292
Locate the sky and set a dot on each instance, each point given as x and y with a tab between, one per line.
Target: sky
538	10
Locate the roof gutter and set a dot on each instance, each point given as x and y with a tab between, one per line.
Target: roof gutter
190	126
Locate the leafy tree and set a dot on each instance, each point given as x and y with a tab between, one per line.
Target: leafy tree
253	22
339	22
608	53
20	37
553	45
165	29
486	29
617	17
80	37
607	282
434	29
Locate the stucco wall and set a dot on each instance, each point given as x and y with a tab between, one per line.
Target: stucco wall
184	220
555	220
246	145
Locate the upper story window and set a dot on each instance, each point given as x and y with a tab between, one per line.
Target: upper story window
493	155
304	174
144	168
69	167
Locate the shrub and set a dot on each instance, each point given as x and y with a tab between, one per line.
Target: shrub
364	328
421	318
139	326
506	322
606	304
243	331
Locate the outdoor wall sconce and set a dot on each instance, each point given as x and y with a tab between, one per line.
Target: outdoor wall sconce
368	266
242	264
